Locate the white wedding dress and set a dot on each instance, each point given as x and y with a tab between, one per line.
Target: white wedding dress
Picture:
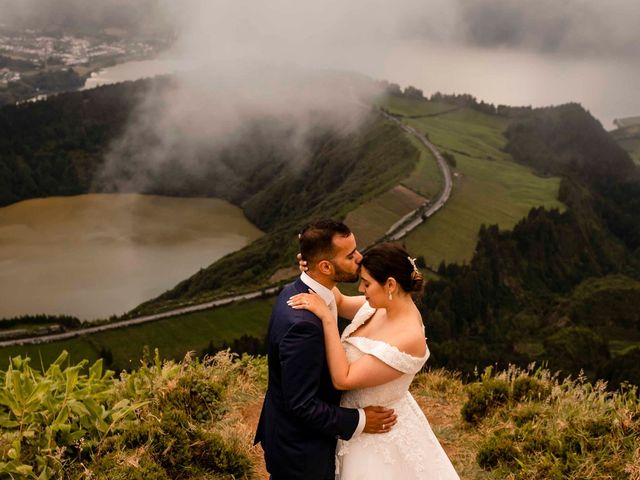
408	451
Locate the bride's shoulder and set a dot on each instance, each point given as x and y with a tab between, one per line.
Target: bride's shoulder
410	338
411	342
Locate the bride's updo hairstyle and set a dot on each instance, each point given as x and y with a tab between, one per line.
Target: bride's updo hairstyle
392	260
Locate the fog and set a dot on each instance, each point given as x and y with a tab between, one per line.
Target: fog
136	16
287	28
247	60
569	27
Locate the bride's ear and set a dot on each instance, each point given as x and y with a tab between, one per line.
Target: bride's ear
391	284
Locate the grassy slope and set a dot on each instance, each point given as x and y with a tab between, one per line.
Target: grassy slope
371	220
490	188
173	336
517	424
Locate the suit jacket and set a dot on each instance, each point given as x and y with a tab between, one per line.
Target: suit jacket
301	418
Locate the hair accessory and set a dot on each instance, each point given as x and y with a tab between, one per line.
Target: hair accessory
413	264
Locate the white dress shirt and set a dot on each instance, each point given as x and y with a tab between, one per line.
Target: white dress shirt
330	300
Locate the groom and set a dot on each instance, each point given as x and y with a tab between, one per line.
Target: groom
301	418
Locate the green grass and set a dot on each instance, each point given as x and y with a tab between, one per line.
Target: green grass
173	336
407	106
371	220
553	429
426	179
489	188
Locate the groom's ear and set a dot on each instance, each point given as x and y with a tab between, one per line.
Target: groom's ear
325	267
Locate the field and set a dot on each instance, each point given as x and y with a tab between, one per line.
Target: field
371	220
173	336
489	187
426	179
410	107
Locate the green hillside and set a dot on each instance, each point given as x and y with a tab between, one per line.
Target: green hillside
174	337
523	295
489	187
342	174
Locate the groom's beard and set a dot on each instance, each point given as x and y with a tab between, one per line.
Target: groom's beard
342	276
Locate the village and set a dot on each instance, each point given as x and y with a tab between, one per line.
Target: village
28	51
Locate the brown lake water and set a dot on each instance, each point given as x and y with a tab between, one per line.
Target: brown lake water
101	254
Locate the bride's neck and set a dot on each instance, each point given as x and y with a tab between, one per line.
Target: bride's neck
398	306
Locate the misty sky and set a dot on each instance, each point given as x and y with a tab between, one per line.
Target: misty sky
568	27
247	59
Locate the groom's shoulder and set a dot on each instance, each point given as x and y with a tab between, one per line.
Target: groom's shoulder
293	288
283	311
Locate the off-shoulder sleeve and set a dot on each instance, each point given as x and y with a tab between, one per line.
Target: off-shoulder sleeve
389	354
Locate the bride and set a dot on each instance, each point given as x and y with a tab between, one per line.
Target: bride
380	352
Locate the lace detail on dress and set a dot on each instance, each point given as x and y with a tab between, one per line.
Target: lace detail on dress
365	313
411	443
410	450
389	354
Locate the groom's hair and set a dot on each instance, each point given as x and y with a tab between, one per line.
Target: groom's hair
316	239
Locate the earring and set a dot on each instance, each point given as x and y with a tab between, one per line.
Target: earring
390	295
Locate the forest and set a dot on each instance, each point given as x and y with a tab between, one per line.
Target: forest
559	286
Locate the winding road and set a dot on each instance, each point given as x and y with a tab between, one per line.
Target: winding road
415	218
397	231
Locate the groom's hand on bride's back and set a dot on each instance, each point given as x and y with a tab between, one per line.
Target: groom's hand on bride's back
379	419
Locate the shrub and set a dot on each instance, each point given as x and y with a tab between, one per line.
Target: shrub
498	448
156	423
197	397
572	349
117	466
214	454
528	388
523	416
484	397
581	430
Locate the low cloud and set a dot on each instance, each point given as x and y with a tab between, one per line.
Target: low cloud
136	16
271	62
570	27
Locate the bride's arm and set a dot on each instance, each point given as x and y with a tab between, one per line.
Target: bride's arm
368	371
347	305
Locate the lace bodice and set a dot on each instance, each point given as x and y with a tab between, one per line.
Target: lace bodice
356	346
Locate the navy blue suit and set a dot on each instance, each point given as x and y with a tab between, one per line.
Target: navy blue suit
301	418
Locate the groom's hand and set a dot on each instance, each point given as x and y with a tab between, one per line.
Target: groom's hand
379	419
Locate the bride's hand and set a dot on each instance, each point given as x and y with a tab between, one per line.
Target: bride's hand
302	264
313	302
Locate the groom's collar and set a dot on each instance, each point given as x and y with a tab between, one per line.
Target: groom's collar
324	292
